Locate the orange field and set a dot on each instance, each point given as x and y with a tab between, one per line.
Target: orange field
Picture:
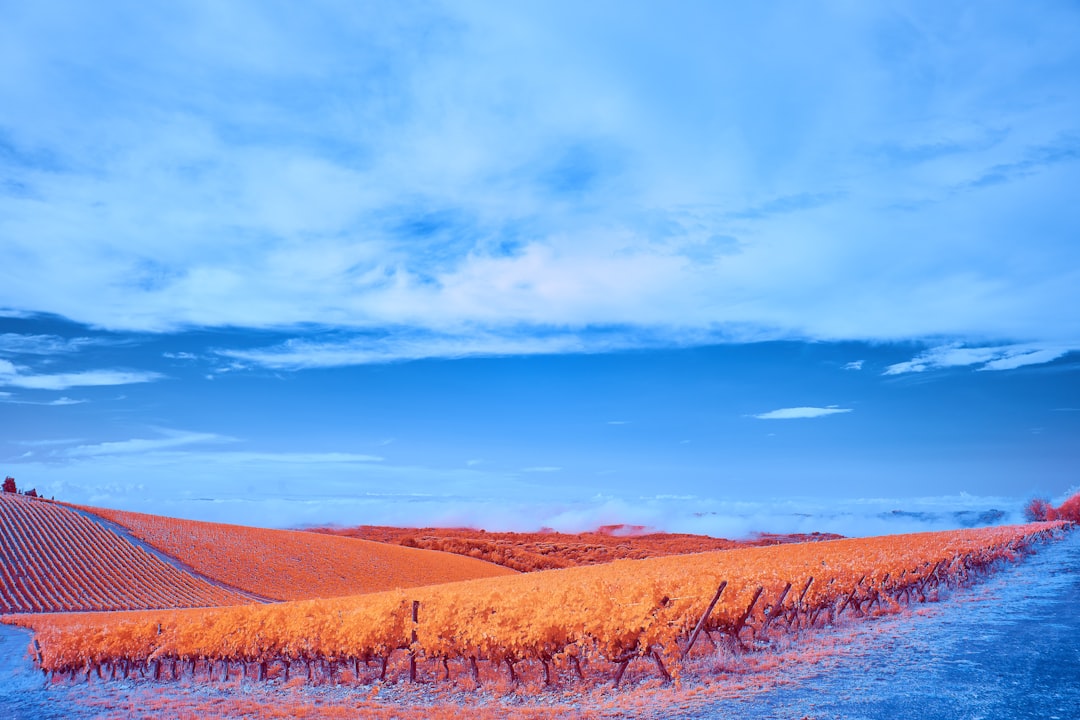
586	622
292	565
53	559
528	552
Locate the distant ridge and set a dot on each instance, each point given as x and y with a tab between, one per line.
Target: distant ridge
550	550
296	565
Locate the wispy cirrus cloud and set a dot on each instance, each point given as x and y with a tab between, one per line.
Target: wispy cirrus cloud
407	344
48	442
169	439
998	357
13	376
59	402
27	344
795	413
292	458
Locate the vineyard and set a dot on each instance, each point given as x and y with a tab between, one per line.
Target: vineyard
52	559
292	565
580	624
529	552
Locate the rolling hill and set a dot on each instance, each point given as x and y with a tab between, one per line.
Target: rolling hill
294	565
53	559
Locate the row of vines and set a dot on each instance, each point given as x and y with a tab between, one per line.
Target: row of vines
587	622
53	559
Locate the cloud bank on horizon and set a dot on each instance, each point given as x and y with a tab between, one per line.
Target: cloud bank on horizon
548	177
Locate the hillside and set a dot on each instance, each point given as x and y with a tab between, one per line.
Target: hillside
294	565
582	622
528	552
53	559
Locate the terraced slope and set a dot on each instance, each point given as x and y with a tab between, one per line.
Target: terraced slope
52	559
293	565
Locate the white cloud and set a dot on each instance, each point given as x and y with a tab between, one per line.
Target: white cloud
46	443
16	343
412	345
59	402
180	356
11	376
618	422
14	376
170	439
542	469
854	365
1027	357
794	413
493	173
293	458
1001	357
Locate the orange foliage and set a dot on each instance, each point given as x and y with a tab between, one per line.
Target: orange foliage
1070	509
529	552
593	618
292	565
1039	509
53	559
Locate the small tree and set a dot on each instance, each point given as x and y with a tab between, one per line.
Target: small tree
9	484
1038	510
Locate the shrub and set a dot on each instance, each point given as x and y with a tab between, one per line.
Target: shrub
1070	509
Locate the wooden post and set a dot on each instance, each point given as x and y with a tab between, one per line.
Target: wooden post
475	670
737	628
929	575
620	671
850	597
660	666
704	618
775	608
797	608
412	645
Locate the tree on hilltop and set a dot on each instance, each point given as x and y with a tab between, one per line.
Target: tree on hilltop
1039	510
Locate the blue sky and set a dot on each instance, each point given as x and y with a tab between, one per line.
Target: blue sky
708	268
